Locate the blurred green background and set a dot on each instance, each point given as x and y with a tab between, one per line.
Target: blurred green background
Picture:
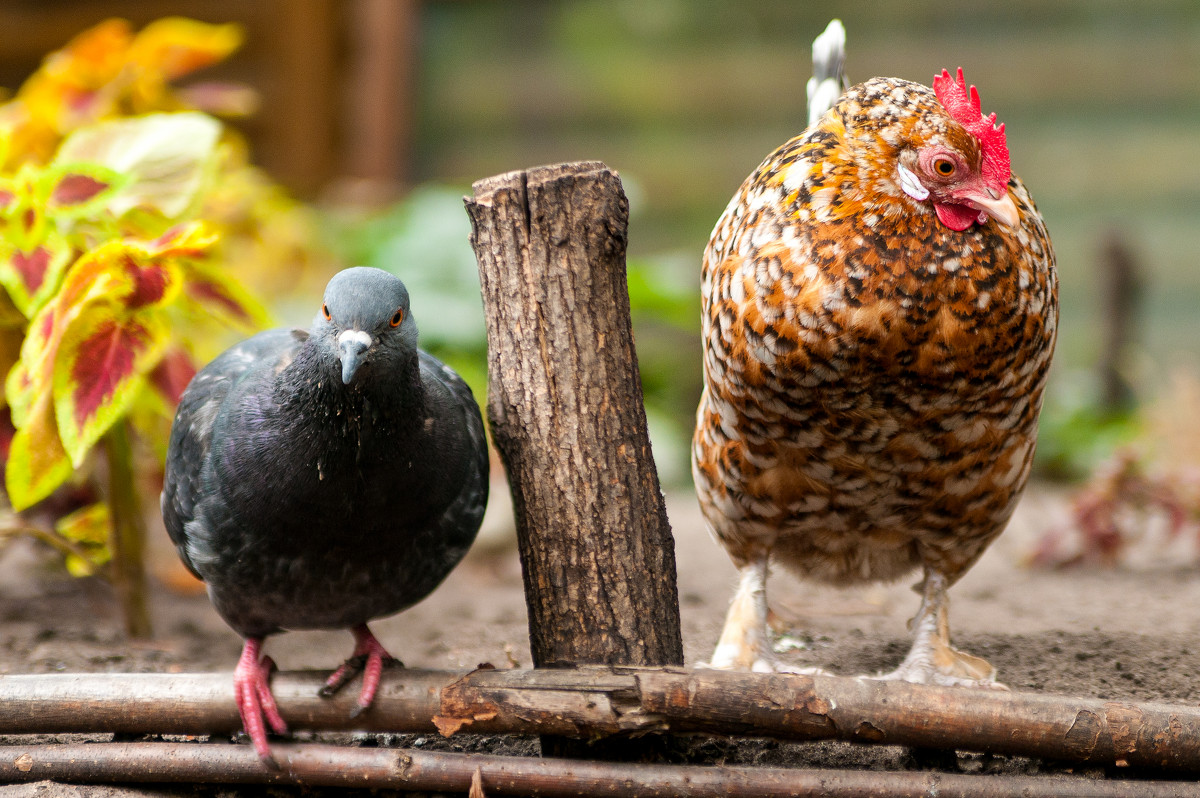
1101	100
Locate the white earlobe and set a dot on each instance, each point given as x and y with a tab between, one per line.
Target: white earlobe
911	185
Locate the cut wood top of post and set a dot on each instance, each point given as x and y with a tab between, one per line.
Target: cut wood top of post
485	188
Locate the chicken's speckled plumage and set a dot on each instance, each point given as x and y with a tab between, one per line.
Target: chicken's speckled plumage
872	376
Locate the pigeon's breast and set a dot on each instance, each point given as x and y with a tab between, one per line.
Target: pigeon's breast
317	525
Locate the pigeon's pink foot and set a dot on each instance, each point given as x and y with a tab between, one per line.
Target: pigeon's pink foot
369	657
255	700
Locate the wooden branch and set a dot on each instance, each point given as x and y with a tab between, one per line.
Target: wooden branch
1122	286
377	768
565	406
595	702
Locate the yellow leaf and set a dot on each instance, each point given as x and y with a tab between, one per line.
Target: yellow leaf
89	528
177	46
87	525
37	461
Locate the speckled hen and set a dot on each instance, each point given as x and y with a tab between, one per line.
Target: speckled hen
318	480
879	313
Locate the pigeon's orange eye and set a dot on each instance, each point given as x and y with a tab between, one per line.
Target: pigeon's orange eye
325	312
397	317
944	167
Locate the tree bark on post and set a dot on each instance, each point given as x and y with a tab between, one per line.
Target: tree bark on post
566	414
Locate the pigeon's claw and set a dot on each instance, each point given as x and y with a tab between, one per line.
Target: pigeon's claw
256	702
342	676
369	658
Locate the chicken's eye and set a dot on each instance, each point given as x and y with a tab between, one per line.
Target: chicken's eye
944	167
397	317
325	312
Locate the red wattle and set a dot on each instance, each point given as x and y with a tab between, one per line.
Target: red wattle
956	217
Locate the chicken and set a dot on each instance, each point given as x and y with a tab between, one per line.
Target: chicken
879	313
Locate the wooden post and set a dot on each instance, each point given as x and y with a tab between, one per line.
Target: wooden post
566	414
1121	293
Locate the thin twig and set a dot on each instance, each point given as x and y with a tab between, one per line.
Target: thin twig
376	768
12	526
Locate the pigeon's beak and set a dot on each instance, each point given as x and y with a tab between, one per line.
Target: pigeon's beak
352	346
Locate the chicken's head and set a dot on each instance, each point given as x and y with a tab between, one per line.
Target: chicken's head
964	173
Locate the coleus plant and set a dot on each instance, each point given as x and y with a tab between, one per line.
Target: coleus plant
100	263
99	256
116	244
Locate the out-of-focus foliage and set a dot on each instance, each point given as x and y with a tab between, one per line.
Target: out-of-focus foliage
110	71
1142	500
88	528
423	239
1075	434
131	224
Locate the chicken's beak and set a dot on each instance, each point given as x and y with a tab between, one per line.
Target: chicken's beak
352	346
997	205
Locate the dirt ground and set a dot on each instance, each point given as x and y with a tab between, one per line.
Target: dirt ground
1129	633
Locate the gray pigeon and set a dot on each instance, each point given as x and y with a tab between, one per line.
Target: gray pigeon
318	480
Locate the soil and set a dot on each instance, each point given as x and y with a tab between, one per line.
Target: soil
1124	633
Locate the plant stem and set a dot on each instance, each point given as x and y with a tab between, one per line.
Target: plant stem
13	525
128	534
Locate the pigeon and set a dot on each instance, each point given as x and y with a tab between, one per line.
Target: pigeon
322	479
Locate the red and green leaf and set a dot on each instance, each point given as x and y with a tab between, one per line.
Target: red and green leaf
91	278
32	276
7	430
172	375
215	292
79	190
102	363
123	281
23	212
31	377
163	159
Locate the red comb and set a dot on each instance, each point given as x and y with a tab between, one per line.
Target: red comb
963	107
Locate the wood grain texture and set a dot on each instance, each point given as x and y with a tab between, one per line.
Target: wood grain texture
566	414
376	768
630	703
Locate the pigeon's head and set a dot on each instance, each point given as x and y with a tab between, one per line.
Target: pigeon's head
364	318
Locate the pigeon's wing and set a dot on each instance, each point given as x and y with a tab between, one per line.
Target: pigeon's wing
191	433
462	518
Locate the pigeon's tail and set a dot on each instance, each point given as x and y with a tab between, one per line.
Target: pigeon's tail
828	80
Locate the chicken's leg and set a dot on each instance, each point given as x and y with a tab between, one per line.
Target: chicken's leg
369	657
932	660
745	642
255	700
